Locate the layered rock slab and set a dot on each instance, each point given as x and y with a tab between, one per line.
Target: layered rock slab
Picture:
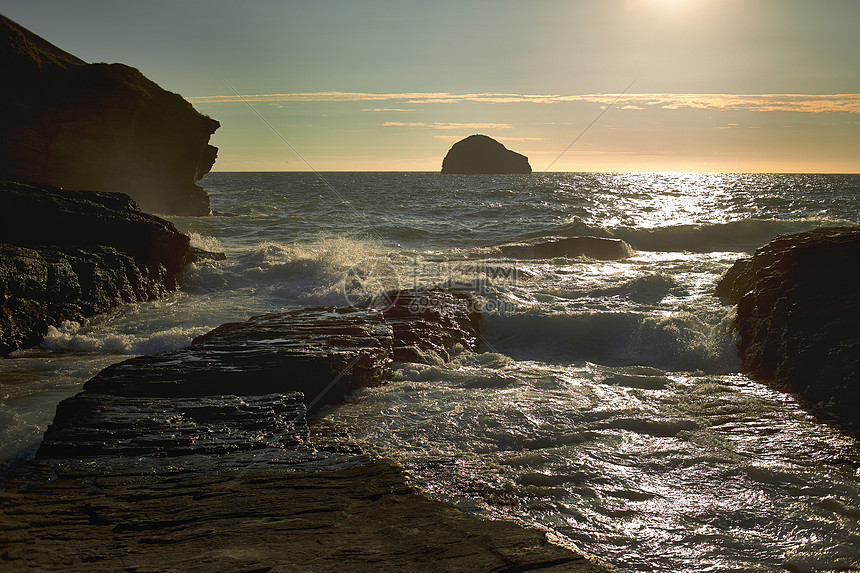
798	313
364	518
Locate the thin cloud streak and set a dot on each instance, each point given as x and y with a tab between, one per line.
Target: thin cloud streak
803	103
455	138
442	125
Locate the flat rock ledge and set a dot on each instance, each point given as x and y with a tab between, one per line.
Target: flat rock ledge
201	459
798	312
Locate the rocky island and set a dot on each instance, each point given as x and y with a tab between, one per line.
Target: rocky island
480	154
798	312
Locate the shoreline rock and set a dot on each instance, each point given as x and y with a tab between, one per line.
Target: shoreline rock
69	255
207	449
105	127
480	154
798	311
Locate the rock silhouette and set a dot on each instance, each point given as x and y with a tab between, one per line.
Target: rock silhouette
480	154
104	127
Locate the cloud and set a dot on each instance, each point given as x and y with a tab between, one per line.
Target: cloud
803	103
441	125
388	109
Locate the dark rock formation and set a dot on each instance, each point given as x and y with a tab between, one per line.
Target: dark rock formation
798	316
67	255
551	247
481	154
426	322
168	403
104	127
104	424
325	353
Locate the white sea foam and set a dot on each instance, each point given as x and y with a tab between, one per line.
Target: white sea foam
681	341
71	337
205	242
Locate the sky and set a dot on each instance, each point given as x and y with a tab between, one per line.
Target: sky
575	85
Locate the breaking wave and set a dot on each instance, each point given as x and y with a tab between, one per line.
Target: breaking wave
681	341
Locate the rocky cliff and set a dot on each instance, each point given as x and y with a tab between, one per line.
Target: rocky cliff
67	255
481	154
798	316
104	127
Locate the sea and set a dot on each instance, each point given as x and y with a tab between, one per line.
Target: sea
605	403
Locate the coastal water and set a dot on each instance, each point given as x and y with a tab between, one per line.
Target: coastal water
605	403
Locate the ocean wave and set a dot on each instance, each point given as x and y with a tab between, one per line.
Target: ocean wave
646	289
326	271
205	242
69	336
681	341
744	235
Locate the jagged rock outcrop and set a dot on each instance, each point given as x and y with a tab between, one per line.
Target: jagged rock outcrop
67	255
798	316
104	127
479	154
428	322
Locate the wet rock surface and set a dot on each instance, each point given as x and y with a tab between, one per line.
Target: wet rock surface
207	451
68	255
431	322
362	518
104	127
101	424
798	311
325	353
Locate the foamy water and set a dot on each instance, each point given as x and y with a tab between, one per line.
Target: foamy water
605	403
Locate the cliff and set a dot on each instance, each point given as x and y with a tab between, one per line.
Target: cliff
479	154
104	127
798	312
68	255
